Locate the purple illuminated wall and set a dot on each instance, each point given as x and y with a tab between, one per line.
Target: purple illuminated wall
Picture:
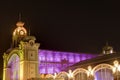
54	61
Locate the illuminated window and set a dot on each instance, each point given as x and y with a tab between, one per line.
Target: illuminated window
50	70
77	58
71	58
49	57
57	58
42	58
42	70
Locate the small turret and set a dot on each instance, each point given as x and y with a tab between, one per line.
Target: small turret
107	49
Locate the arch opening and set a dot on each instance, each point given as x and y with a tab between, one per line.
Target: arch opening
80	74
63	75
103	72
14	67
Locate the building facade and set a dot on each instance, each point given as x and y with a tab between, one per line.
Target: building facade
25	61
104	67
21	60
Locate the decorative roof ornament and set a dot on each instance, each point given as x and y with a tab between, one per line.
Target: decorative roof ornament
20	23
19	33
107	49
19	16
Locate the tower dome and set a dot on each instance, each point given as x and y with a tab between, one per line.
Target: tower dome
107	49
19	33
20	30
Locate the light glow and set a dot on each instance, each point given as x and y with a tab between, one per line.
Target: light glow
70	75
116	63
119	68
55	75
90	71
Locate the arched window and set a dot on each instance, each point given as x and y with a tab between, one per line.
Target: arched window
14	66
103	72
63	75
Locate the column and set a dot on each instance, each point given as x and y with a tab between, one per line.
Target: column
90	77
116	70
6	74
117	75
70	75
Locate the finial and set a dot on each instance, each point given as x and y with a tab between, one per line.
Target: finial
29	31
107	43
20	23
19	16
107	49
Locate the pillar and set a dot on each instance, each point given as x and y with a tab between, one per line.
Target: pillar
117	75
6	74
91	77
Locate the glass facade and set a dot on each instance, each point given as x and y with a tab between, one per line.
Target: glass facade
55	61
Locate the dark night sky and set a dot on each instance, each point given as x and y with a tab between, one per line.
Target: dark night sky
77	26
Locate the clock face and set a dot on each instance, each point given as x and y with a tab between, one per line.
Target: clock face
31	55
22	32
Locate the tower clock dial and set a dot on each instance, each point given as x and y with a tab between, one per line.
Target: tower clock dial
22	32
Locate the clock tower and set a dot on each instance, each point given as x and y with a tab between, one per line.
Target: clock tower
29	58
21	61
29	52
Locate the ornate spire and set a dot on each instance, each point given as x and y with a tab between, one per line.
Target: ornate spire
29	31
107	43
19	16
19	33
20	23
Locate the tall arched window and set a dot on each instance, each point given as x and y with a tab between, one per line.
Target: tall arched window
103	72
14	65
